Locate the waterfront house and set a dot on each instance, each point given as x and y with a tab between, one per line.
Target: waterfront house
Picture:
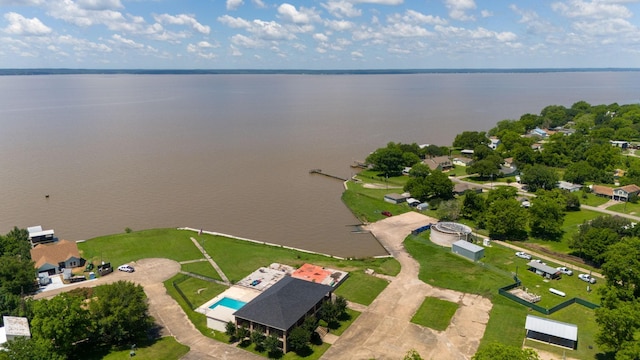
618	143
623	193
462	161
38	236
52	258
570	187
441	163
282	307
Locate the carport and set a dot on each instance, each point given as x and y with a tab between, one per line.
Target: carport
552	332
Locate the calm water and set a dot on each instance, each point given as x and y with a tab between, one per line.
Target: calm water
231	153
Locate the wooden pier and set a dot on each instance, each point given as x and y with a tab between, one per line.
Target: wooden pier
319	171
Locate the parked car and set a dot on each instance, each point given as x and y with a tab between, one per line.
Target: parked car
565	270
539	261
524	255
126	268
387	214
588	278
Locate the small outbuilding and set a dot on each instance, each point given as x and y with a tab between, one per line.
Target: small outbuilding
396	198
468	250
544	270
552	332
14	327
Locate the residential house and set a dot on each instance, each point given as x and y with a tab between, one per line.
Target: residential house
622	193
282	307
625	192
539	132
570	187
462	161
494	142
621	144
466	152
460	188
441	163
52	258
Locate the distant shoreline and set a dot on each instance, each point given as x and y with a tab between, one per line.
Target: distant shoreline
64	71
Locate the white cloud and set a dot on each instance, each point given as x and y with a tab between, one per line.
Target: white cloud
341	8
19	25
356	54
246	42
320	37
607	27
183	19
534	24
303	16
259	3
379	2
235	51
121	41
22	2
234	4
205	44
486	13
100	4
339	25
458	9
235	23
593	9
414	17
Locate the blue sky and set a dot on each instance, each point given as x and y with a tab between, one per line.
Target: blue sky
319	34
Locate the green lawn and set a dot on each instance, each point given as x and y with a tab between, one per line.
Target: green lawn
368	204
166	348
626	208
441	268
435	313
361	288
198	291
591	199
201	268
572	221
157	243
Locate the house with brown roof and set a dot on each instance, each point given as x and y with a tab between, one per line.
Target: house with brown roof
52	258
441	163
622	193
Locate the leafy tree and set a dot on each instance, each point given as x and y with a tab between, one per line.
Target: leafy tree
554	115
341	305
618	325
437	185
470	139
329	312
594	237
17	275
501	193
299	339
258	339
602	156
546	217
473	205
120	313
434	150
503	126
230	330
579	172
540	177
449	210
412	355
485	168
530	121
242	333
62	320
497	351
272	345
310	324
419	170
524	155
622	268
16	243
506	219
388	160
410	159
32	349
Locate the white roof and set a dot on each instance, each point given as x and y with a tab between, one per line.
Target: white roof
3	336
33	229
16	326
468	246
552	327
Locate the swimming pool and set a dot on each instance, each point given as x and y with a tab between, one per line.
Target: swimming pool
229	302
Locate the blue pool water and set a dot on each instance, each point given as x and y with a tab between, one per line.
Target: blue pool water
228	302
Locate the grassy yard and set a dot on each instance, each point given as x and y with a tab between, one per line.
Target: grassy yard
440	267
626	208
166	348
201	268
435	313
361	288
157	243
572	220
592	200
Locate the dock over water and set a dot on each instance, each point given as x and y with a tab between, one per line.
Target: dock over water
319	171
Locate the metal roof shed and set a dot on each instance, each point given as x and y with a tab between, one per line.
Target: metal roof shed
552	331
543	269
468	250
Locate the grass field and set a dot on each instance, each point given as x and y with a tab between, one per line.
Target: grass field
626	208
361	288
435	313
441	268
201	268
166	348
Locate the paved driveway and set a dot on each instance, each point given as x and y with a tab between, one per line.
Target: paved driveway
384	330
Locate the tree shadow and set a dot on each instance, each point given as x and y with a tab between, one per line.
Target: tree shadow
305	351
275	354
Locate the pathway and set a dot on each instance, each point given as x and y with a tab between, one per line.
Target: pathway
384	329
213	263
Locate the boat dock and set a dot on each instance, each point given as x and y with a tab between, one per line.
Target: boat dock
319	171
